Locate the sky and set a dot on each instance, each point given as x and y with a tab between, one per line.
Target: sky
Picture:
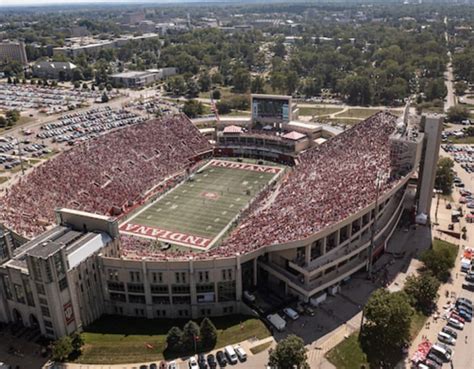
49	2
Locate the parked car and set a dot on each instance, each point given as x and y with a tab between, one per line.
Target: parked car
309	310
450	331
241	354
202	361
248	296
231	355
211	360
446	338
432	364
172	365
455	324
221	359
192	363
289	312
433	357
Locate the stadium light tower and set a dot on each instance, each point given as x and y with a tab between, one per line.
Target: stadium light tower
381	176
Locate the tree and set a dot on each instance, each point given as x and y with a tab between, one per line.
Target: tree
62	348
177	85
208	333
224	107
435	89
77	84
422	291
84	86
460	87
191	335
105	97
3	121
12	116
289	353
258	85
77	75
357	89
204	82
387	325
193	88
174	339
444	175
193	108
439	262
458	113
216	95
241	80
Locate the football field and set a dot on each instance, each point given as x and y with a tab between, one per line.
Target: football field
197	212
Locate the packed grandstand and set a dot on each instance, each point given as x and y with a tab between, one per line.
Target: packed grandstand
115	172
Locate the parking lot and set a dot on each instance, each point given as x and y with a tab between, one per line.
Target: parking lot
48	100
461	154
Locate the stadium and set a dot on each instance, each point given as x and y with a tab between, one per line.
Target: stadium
155	220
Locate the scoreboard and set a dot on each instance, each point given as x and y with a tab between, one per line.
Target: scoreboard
270	108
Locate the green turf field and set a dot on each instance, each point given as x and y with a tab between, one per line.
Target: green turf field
203	206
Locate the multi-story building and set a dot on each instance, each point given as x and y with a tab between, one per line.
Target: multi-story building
13	51
83	265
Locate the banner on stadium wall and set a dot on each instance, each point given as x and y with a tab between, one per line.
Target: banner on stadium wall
68	313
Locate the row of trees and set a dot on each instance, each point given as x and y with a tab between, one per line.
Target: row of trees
192	337
388	316
10	118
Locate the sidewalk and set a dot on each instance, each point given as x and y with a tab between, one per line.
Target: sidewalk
247	345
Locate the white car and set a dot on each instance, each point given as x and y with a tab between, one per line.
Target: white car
248	296
172	365
241	354
455	324
293	315
192	363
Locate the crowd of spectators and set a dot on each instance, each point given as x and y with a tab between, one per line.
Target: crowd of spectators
112	171
331	182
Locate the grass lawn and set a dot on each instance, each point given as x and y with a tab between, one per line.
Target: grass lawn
417	323
3	179
348	354
319	110
361	113
118	340
237	113
439	245
345	121
464	140
259	348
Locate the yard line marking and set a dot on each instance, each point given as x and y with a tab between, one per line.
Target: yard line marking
237	199
224	212
148	217
168	203
175	197
216	220
231	205
244	183
174	206
209	227
184	191
158	210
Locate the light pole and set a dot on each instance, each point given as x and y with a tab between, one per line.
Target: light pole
378	182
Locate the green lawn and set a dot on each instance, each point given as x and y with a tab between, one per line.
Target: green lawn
319	110
438	245
118	340
259	348
236	113
464	140
361	113
204	206
348	354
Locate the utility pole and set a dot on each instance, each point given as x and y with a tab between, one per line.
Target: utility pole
378	181
20	156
